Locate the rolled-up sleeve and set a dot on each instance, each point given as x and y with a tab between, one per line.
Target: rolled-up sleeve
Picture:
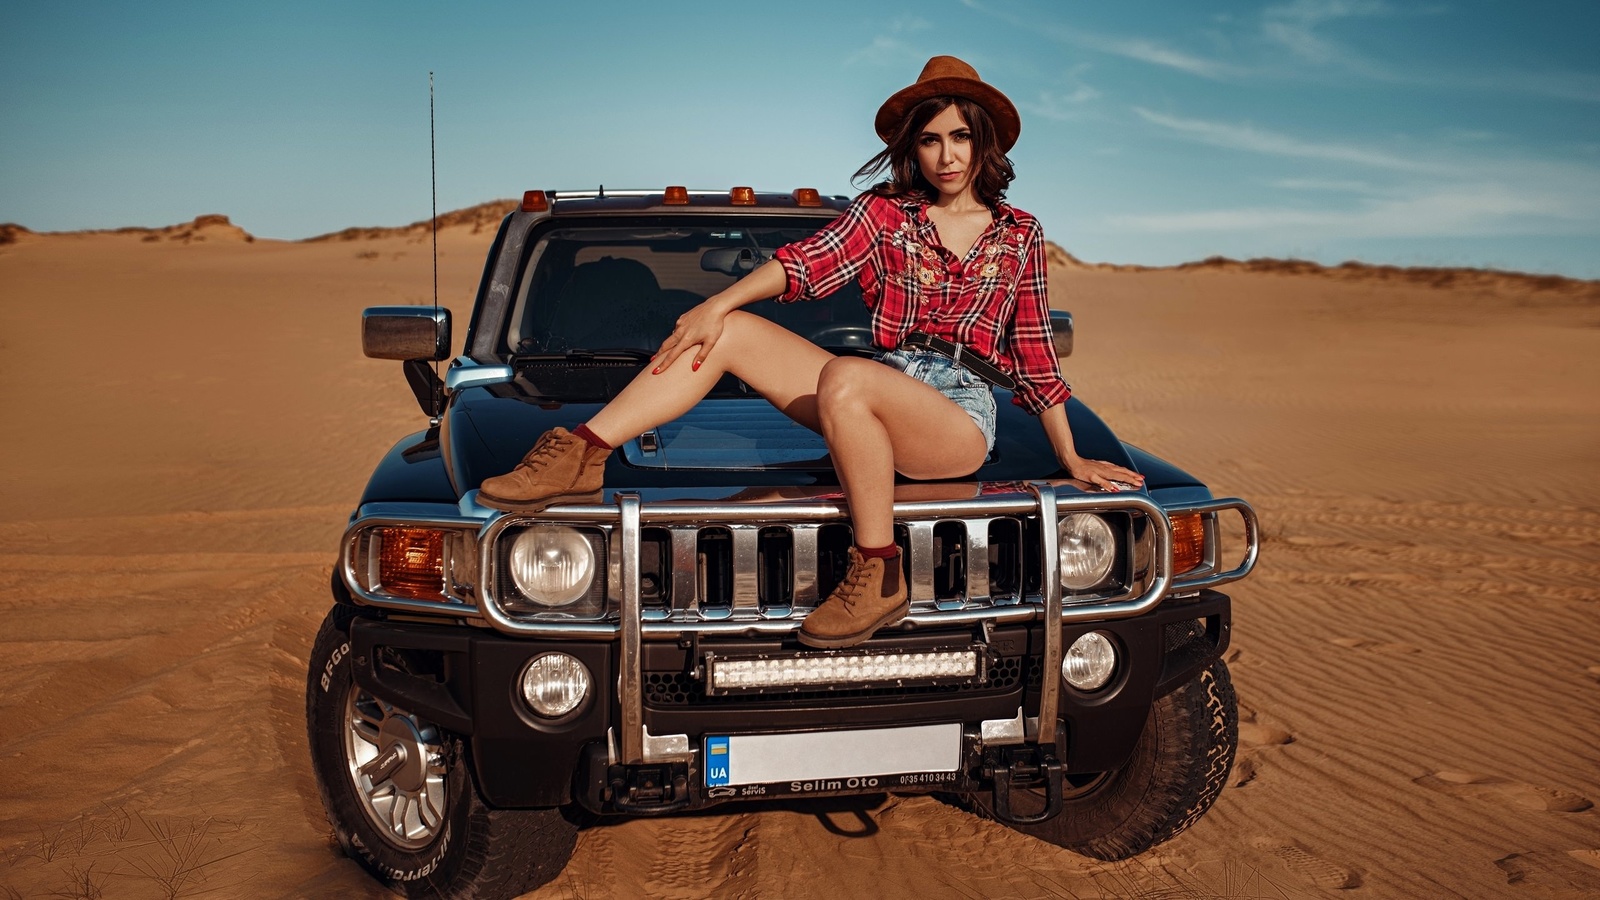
1032	349
829	259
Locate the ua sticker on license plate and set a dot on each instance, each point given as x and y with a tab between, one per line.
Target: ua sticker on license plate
826	761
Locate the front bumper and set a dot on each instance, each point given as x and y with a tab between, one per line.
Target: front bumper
466	680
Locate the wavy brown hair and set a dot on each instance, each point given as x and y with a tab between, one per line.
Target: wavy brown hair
899	159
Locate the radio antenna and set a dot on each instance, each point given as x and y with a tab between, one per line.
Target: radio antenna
433	184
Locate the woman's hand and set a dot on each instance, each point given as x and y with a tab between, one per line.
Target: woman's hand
1102	475
700	327
1098	474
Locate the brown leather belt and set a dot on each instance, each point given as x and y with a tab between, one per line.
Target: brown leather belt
974	363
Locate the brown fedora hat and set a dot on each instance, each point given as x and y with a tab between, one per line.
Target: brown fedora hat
946	76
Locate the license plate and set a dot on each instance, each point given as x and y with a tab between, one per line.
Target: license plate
830	761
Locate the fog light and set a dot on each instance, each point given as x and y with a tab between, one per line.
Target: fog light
554	684
1087	551
1089	662
552	565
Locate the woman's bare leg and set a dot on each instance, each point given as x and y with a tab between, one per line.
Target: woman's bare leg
877	421
779	364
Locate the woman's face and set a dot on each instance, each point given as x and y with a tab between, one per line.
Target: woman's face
944	152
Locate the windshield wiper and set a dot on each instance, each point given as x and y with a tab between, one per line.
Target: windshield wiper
578	355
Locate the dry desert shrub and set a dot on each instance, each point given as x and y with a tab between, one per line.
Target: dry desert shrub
182	853
82	884
51	843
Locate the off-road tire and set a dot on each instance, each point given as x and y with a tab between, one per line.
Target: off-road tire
1177	769
478	853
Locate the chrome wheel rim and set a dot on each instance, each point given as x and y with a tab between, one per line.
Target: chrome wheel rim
397	765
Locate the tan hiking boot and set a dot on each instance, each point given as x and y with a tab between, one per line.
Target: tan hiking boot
561	468
871	596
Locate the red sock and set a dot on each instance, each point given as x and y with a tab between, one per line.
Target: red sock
593	439
889	552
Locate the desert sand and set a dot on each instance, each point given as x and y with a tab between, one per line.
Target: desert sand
190	420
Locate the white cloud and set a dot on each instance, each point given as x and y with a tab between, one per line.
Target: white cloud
883	51
1312	55
1136	48
1431	191
1060	106
1157	54
1456	211
1323	184
890	49
1294	27
906	23
1248	137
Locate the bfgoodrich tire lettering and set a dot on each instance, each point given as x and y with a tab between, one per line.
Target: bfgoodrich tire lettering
467	849
1177	769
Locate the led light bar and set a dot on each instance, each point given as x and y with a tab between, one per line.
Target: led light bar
844	670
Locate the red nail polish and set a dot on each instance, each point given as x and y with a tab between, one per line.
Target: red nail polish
655	371
695	367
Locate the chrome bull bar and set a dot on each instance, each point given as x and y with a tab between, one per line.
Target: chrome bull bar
629	515
628	548
639	747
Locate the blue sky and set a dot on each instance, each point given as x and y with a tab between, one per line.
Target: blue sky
1417	133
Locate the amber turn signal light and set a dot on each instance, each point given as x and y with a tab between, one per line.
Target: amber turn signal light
807	197
534	201
1188	542
677	195
743	196
411	562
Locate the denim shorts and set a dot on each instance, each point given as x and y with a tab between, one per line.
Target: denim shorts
971	393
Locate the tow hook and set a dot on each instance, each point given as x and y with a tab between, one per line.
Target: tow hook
1024	767
649	789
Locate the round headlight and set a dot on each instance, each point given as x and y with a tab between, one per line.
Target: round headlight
552	565
1087	551
554	684
1089	662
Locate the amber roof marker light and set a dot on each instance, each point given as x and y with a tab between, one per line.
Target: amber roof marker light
807	197
535	201
677	195
742	196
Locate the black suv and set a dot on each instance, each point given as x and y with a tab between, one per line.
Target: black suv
486	682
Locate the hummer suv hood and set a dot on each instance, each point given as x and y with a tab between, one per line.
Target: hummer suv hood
742	442
729	435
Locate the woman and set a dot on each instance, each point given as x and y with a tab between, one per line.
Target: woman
941	258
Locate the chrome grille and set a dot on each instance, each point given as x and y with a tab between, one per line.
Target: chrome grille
758	565
743	570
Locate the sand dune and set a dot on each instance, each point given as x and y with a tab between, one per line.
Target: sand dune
1507	284
191	419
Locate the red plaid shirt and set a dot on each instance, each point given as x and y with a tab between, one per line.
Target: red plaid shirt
994	302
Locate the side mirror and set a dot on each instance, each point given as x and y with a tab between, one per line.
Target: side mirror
1061	331
405	332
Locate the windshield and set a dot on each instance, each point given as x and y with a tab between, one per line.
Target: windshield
610	287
